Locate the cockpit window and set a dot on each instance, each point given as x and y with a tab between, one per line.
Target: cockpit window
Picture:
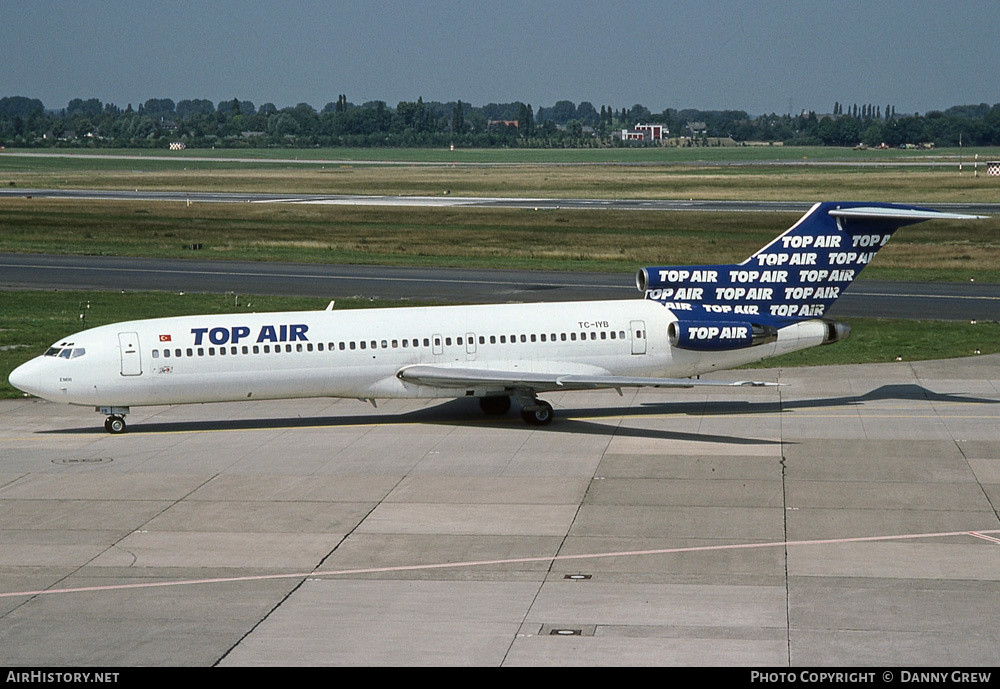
66	352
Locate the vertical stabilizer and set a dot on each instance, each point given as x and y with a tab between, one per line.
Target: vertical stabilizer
798	275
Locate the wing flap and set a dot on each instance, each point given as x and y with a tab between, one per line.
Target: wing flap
449	377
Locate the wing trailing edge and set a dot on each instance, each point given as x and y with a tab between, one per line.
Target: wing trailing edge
449	377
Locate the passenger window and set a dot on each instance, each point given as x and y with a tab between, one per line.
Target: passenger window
503	339
604	335
201	351
222	351
166	353
256	349
190	352
543	337
459	341
267	349
298	348
156	354
211	351
385	344
246	350
493	339
288	347
447	341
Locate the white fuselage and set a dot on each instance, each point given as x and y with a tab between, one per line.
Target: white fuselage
357	353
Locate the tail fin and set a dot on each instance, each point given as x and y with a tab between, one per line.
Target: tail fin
798	275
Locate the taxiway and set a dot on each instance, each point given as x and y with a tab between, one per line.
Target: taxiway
848	518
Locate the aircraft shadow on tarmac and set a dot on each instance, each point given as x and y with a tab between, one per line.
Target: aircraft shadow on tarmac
463	412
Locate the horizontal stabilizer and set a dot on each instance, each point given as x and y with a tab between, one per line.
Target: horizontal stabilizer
914	214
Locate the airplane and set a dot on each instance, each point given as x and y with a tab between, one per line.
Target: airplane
691	320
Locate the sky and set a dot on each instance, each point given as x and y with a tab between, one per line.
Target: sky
777	56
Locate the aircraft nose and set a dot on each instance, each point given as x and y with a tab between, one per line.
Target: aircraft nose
26	377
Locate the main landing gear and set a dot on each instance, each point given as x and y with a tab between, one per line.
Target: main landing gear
534	411
539	413
115	423
495	406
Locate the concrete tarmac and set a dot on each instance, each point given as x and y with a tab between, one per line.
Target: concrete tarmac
848	518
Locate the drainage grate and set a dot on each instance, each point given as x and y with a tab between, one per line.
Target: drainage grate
567	630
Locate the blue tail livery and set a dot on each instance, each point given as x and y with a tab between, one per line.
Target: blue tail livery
797	276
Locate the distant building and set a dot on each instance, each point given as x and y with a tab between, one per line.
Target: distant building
645	132
697	128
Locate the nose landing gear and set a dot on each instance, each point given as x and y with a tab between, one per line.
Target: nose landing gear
115	423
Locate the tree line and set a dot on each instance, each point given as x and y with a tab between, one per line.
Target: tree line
199	123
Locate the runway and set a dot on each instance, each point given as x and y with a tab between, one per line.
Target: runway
866	298
445	201
848	518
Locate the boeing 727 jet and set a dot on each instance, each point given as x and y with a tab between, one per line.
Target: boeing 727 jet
691	320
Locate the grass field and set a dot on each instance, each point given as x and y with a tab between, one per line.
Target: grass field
587	240
588	173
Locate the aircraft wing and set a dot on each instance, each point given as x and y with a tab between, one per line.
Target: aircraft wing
449	377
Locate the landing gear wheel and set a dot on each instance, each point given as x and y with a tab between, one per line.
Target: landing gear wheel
114	424
495	406
540	414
